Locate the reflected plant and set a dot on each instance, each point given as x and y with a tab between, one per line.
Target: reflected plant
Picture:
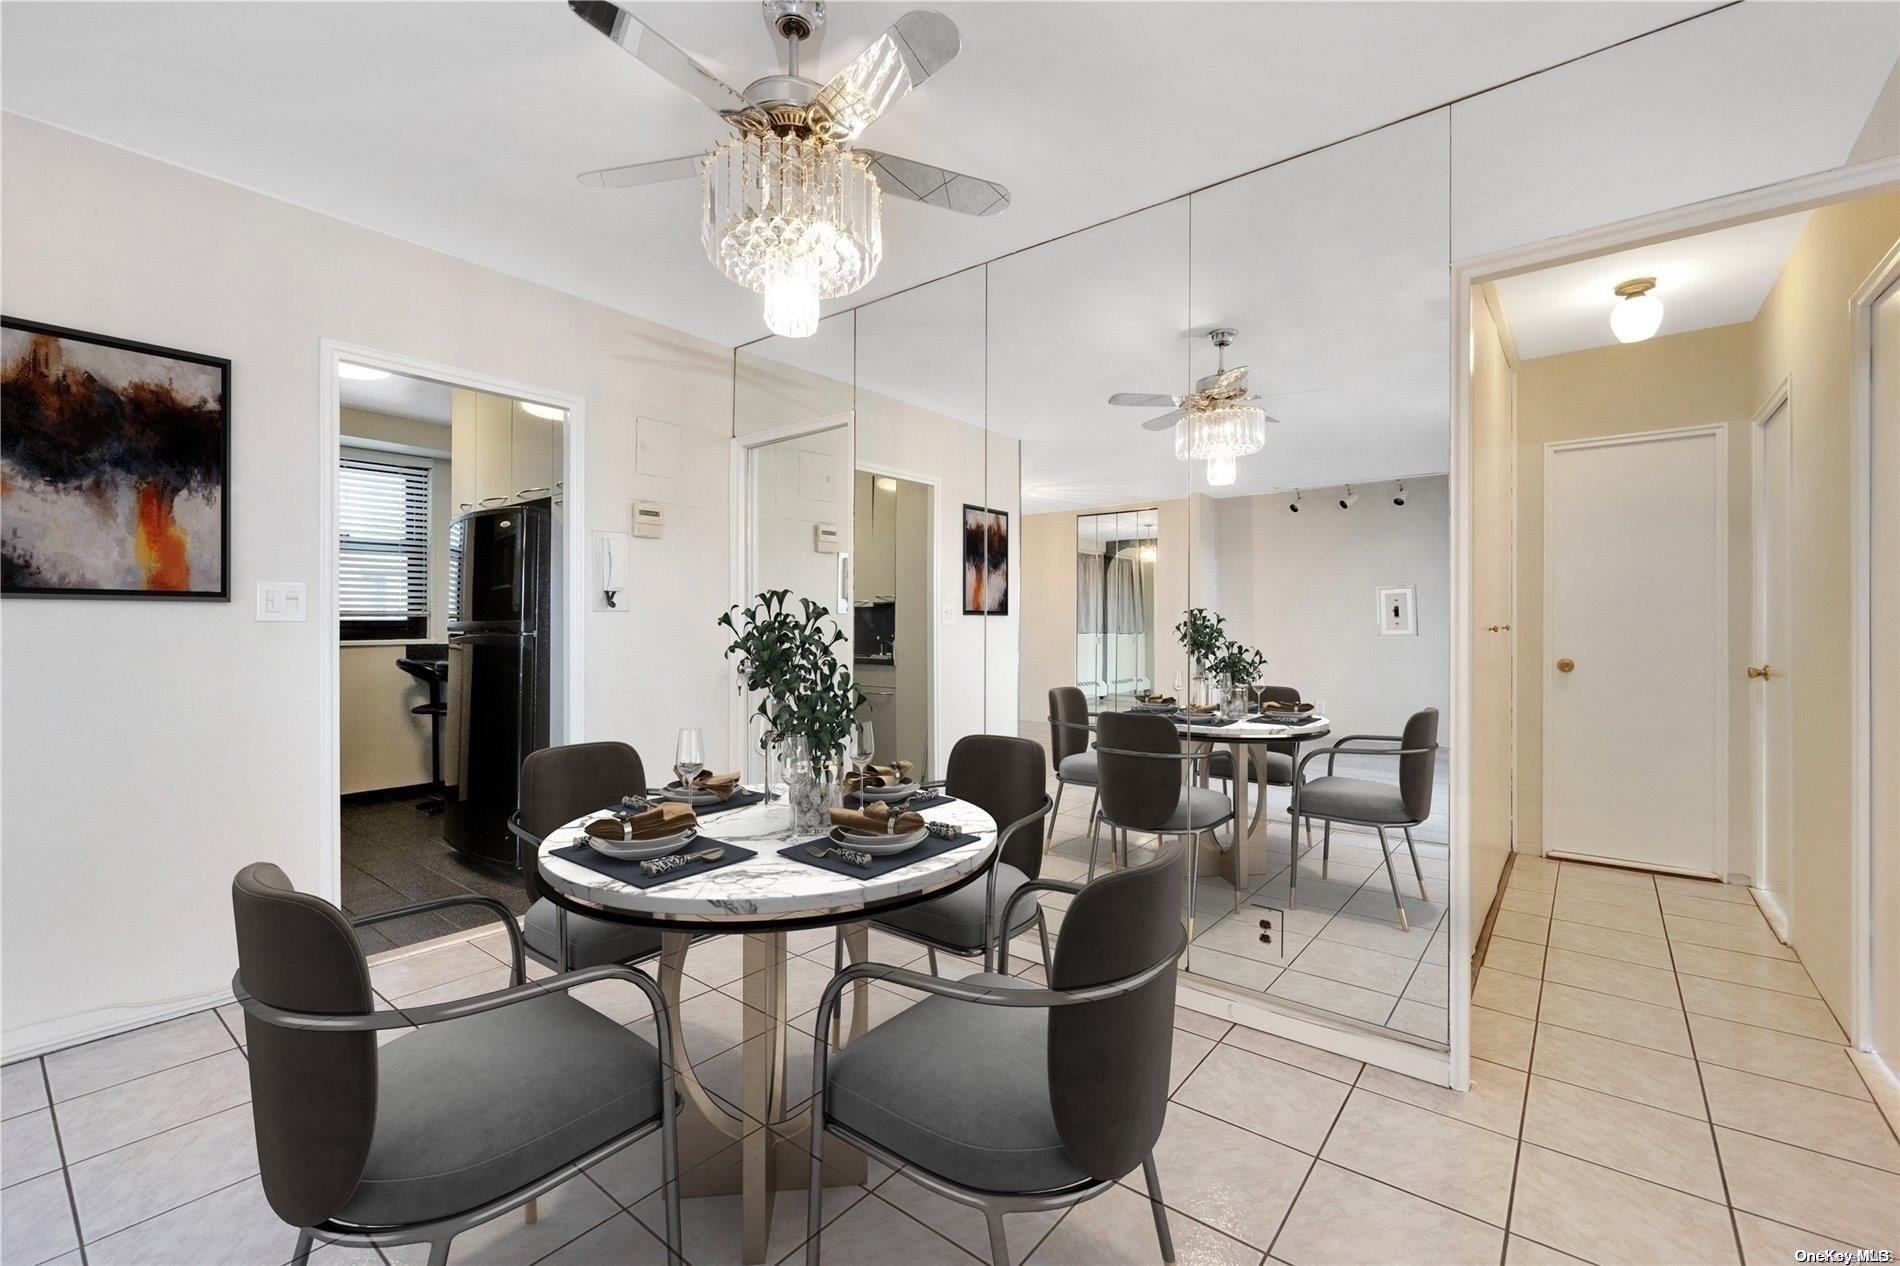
1203	636
787	658
1238	665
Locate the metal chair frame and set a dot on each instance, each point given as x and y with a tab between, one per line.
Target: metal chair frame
565	960
993	1204
1095	805
440	1233
1191	834
1331	752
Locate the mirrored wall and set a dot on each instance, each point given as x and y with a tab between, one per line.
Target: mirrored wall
947	471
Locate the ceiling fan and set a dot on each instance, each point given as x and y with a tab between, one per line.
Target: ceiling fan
1216	422
792	207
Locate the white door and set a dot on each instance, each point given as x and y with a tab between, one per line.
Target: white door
1769	685
1636	647
1884	661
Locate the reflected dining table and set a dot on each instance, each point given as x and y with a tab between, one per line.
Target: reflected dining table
760	1145
1243	737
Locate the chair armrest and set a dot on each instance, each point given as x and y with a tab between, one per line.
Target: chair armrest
1009	907
460	1008
1332	751
1188	757
493	906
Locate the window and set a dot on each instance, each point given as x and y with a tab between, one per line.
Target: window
383	549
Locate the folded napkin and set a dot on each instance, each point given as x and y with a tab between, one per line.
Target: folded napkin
721	785
1154	700
663	819
876	820
1200	709
880	775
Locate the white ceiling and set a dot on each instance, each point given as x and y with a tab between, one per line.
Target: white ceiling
1713	279
398	396
462	126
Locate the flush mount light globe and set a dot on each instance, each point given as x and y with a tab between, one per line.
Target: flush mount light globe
1220	472
795	218
1639	314
546	412
360	373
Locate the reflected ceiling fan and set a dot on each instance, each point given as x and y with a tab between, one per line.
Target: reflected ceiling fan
793	208
1215	423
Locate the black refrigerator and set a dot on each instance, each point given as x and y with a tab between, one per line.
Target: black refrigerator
500	640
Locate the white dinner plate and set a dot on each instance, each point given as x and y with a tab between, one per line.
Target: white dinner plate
877	845
674	792
641	850
895	791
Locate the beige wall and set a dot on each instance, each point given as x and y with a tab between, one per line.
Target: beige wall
1493	601
203	726
1802	334
1674	381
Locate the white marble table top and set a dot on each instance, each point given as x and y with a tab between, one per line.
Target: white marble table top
768	887
1316	726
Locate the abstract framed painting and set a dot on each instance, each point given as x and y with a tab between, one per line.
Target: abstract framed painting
115	467
985	561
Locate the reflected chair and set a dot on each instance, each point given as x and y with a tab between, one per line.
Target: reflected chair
1069	752
1011	1098
559	784
1003	777
1367	802
1269	764
1142	760
491	1102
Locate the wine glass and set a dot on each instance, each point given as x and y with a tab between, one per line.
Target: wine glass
862	748
1180	685
689	756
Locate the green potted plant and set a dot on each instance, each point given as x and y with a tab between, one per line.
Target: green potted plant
786	655
1237	668
1203	635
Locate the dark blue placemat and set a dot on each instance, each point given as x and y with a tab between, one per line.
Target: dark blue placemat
1207	722
737	800
928	848
855	801
630	872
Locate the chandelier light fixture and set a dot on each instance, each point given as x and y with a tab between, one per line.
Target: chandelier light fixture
1639	313
1218	422
1221	472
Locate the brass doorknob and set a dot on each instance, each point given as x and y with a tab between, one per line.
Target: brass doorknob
1500	628
1763	672
1565	665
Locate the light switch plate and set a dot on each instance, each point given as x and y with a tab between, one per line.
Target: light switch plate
282	600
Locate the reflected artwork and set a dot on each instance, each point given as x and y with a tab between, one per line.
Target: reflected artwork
114	467
985	561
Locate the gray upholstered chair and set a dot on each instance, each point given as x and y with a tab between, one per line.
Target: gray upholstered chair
559	784
1003	777
1012	1098
1069	752
491	1102
1368	802
1142	759
1268	764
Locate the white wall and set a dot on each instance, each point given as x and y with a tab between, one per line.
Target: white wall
1303	588
167	744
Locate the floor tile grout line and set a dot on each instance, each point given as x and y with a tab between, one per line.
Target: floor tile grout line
198	1120
1881	1111
65	1173
1523	1110
1803	1147
169	1068
1715	1140
67	1050
1294	1203
153	1217
574	1239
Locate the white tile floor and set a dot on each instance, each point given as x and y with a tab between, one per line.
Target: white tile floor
1639	1095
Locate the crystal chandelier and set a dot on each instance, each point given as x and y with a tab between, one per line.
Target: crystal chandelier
1219	423
794	218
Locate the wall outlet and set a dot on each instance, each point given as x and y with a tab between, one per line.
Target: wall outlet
282	600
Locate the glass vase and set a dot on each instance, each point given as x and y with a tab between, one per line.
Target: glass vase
811	787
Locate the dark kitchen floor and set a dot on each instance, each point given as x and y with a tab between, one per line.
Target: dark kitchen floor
393	855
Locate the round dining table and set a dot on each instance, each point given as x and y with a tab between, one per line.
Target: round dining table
763	1146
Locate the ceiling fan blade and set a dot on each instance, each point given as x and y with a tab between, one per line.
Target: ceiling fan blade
1225	379
1140	401
1163	422
658	53
920	182
653	173
917	46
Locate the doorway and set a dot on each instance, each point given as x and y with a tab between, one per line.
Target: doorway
1768	672
1635	709
893	593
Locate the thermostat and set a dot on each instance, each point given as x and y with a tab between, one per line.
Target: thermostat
647	519
825	537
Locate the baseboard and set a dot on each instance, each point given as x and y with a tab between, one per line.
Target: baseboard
1483	944
1771	910
376	795
1366	1044
1881	1083
56	1035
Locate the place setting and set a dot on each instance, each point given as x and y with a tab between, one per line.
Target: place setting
880	826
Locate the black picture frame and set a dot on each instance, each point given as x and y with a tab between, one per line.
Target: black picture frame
10	586
985	580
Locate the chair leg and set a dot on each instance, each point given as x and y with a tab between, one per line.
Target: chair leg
1054	813
1095	804
439	1253
1405	924
301	1254
1325	848
1194	879
1160	1210
1416	872
999	1247
932	959
531	1211
815	1189
1048	959
1095	841
670	1167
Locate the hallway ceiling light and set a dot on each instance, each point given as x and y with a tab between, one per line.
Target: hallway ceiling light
793	212
545	411
1639	313
1350	500
1220	472
360	373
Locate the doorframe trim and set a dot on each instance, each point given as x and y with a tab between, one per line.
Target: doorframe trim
1777	907
323	606
1718	431
1860	620
1800	193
